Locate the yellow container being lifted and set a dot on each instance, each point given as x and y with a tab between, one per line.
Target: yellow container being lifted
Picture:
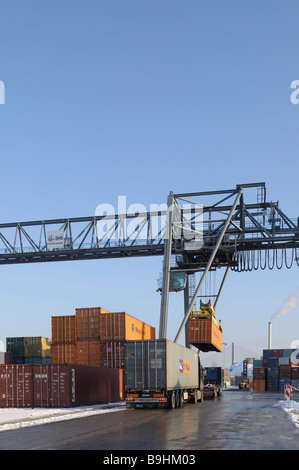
206	311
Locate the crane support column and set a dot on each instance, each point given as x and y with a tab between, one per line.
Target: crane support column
186	306
209	264
166	267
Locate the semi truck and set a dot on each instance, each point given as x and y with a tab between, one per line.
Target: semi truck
162	374
213	382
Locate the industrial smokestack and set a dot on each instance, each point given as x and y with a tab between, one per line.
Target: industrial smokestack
233	353
270	335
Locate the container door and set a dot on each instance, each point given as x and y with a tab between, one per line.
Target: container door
157	364
23	374
6	386
41	385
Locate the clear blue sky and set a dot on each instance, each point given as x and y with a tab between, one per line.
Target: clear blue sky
139	98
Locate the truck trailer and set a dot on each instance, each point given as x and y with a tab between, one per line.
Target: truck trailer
213	382
161	373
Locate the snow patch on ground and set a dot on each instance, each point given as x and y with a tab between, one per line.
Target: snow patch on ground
292	408
16	418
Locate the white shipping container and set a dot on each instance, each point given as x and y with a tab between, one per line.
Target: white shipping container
283	360
161	364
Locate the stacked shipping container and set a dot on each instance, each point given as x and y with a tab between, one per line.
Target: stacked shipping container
275	370
88	345
96	337
63	339
29	349
91	337
115	330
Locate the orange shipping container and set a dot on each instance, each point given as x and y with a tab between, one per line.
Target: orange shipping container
88	323
64	353
63	329
88	353
119	326
259	385
205	334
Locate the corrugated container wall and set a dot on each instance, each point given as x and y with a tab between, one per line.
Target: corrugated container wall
63	329
16	389
64	353
37	346
29	348
259	385
119	326
160	364
88	352
113	354
54	385
88	323
15	346
205	334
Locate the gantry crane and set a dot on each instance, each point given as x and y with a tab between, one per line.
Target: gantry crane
201	231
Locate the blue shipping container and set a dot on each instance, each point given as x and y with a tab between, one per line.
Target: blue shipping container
272	385
273	371
267	353
273	361
212	373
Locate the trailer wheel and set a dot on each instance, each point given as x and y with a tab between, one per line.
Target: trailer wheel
181	398
172	400
178	399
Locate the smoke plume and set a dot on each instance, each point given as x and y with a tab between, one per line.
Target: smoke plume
289	304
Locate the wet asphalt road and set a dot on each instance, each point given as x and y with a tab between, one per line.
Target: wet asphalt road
239	420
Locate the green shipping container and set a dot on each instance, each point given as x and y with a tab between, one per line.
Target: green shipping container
29	346
257	363
15	346
287	352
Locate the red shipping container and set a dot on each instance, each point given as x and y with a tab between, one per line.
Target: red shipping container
259	373
56	385
295	372
285	371
16	386
70	385
277	352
